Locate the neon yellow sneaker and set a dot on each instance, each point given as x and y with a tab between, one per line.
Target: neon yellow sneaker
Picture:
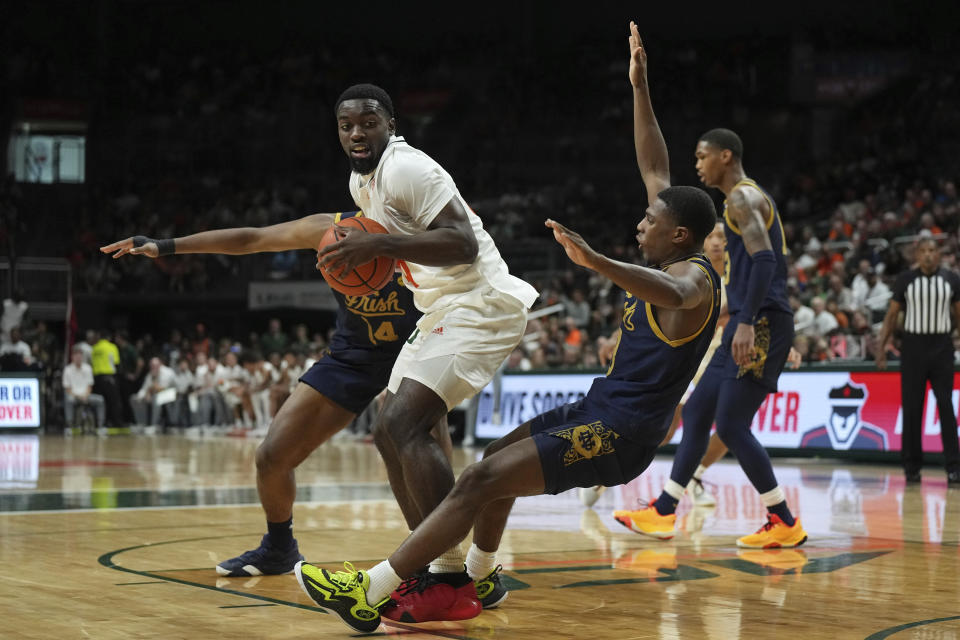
342	592
775	534
649	522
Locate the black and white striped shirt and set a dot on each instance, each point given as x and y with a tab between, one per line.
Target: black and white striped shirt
927	300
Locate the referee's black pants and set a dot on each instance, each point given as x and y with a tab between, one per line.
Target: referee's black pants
923	358
106	385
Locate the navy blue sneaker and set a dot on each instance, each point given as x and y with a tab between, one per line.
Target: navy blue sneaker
262	561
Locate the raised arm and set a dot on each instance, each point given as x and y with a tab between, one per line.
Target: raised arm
681	287
304	233
652	157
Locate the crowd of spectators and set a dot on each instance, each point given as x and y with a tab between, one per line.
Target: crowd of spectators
222	135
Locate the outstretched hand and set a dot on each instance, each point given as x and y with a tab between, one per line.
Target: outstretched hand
573	243
123	247
638	57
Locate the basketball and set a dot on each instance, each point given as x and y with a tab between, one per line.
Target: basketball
367	278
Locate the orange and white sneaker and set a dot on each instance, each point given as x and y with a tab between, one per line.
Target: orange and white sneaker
775	534
778	559
649	522
647	561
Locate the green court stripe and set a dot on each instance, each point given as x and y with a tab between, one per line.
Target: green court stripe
886	633
581	567
197	497
106	560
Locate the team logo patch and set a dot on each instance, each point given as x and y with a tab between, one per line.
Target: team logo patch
761	344
587	441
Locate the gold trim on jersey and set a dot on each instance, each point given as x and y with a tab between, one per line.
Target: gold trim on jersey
652	321
613	358
774	214
336	218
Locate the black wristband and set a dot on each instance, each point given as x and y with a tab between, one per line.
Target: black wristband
166	246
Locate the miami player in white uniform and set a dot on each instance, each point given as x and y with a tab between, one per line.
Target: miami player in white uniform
474	314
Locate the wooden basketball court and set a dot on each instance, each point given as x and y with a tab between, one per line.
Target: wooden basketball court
117	538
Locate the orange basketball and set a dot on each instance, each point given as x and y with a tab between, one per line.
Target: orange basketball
367	278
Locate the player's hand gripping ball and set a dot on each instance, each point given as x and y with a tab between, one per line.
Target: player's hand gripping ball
367	278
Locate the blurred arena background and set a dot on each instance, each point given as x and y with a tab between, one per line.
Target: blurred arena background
167	117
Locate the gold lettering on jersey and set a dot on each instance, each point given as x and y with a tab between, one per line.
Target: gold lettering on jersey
587	441
375	305
628	310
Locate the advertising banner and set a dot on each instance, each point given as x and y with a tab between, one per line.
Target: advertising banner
837	410
291	295
19	402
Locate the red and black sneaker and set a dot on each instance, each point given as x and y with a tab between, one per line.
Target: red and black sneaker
428	597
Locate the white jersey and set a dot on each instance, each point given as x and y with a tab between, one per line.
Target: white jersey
405	193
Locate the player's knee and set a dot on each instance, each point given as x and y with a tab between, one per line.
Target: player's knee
271	456
395	424
731	432
491	449
474	483
381	438
267	458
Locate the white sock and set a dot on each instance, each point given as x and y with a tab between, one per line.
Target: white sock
450	561
383	580
673	489
698	474
479	562
773	497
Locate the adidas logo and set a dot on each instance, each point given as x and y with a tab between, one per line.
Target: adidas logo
438	331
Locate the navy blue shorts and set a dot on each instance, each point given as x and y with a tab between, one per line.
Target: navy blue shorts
350	385
578	450
773	337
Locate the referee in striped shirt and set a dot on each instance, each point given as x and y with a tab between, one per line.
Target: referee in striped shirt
930	299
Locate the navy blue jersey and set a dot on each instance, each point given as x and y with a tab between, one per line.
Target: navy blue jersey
736	260
649	372
373	328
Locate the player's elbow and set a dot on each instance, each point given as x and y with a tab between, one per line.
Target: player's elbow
673	298
687	297
468	247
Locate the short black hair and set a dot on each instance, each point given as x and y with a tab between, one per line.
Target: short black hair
366	92
725	139
691	208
